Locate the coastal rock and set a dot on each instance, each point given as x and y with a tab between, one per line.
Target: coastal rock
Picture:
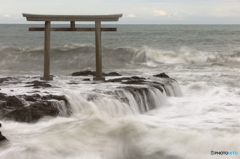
86	79
29	109
38	84
112	74
2	138
32	113
84	73
93	73
161	75
10	101
9	80
135	80
5	79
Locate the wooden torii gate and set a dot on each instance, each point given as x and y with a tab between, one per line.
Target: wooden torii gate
72	18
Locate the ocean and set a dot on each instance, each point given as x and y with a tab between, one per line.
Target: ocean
202	117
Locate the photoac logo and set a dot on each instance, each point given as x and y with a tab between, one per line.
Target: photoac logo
224	152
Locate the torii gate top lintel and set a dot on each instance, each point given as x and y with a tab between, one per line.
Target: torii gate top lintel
42	17
72	18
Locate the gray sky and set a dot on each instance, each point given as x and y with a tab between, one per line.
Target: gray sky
134	11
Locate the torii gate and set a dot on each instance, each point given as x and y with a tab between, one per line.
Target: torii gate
72	19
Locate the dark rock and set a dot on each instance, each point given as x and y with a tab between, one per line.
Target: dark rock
86	79
11	101
73	83
33	112
112	74
84	73
161	75
6	79
134	82
30	98
36	107
38	84
137	78
34	92
2	138
9	80
93	73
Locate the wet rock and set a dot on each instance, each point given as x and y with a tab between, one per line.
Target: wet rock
9	80
112	74
84	73
11	101
30	98
2	138
34	107
34	92
38	84
93	73
86	79
73	83
161	75
33	112
6	79
137	78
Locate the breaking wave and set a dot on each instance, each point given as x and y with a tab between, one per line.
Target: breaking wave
83	56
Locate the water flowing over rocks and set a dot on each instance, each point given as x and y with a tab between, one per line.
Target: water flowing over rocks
26	108
140	94
38	84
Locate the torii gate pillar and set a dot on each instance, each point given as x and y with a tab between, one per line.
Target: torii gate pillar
98	52
46	73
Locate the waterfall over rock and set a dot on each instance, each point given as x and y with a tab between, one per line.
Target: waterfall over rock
116	97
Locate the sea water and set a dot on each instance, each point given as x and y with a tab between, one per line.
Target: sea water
202	117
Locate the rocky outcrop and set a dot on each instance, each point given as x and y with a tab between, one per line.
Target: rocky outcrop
161	75
5	79
40	103
38	84
2	138
93	73
135	80
25	108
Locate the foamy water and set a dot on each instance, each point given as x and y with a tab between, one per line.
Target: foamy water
200	114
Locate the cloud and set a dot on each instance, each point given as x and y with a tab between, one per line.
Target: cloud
6	16
131	15
159	13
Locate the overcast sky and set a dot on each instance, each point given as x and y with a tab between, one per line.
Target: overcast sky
134	11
